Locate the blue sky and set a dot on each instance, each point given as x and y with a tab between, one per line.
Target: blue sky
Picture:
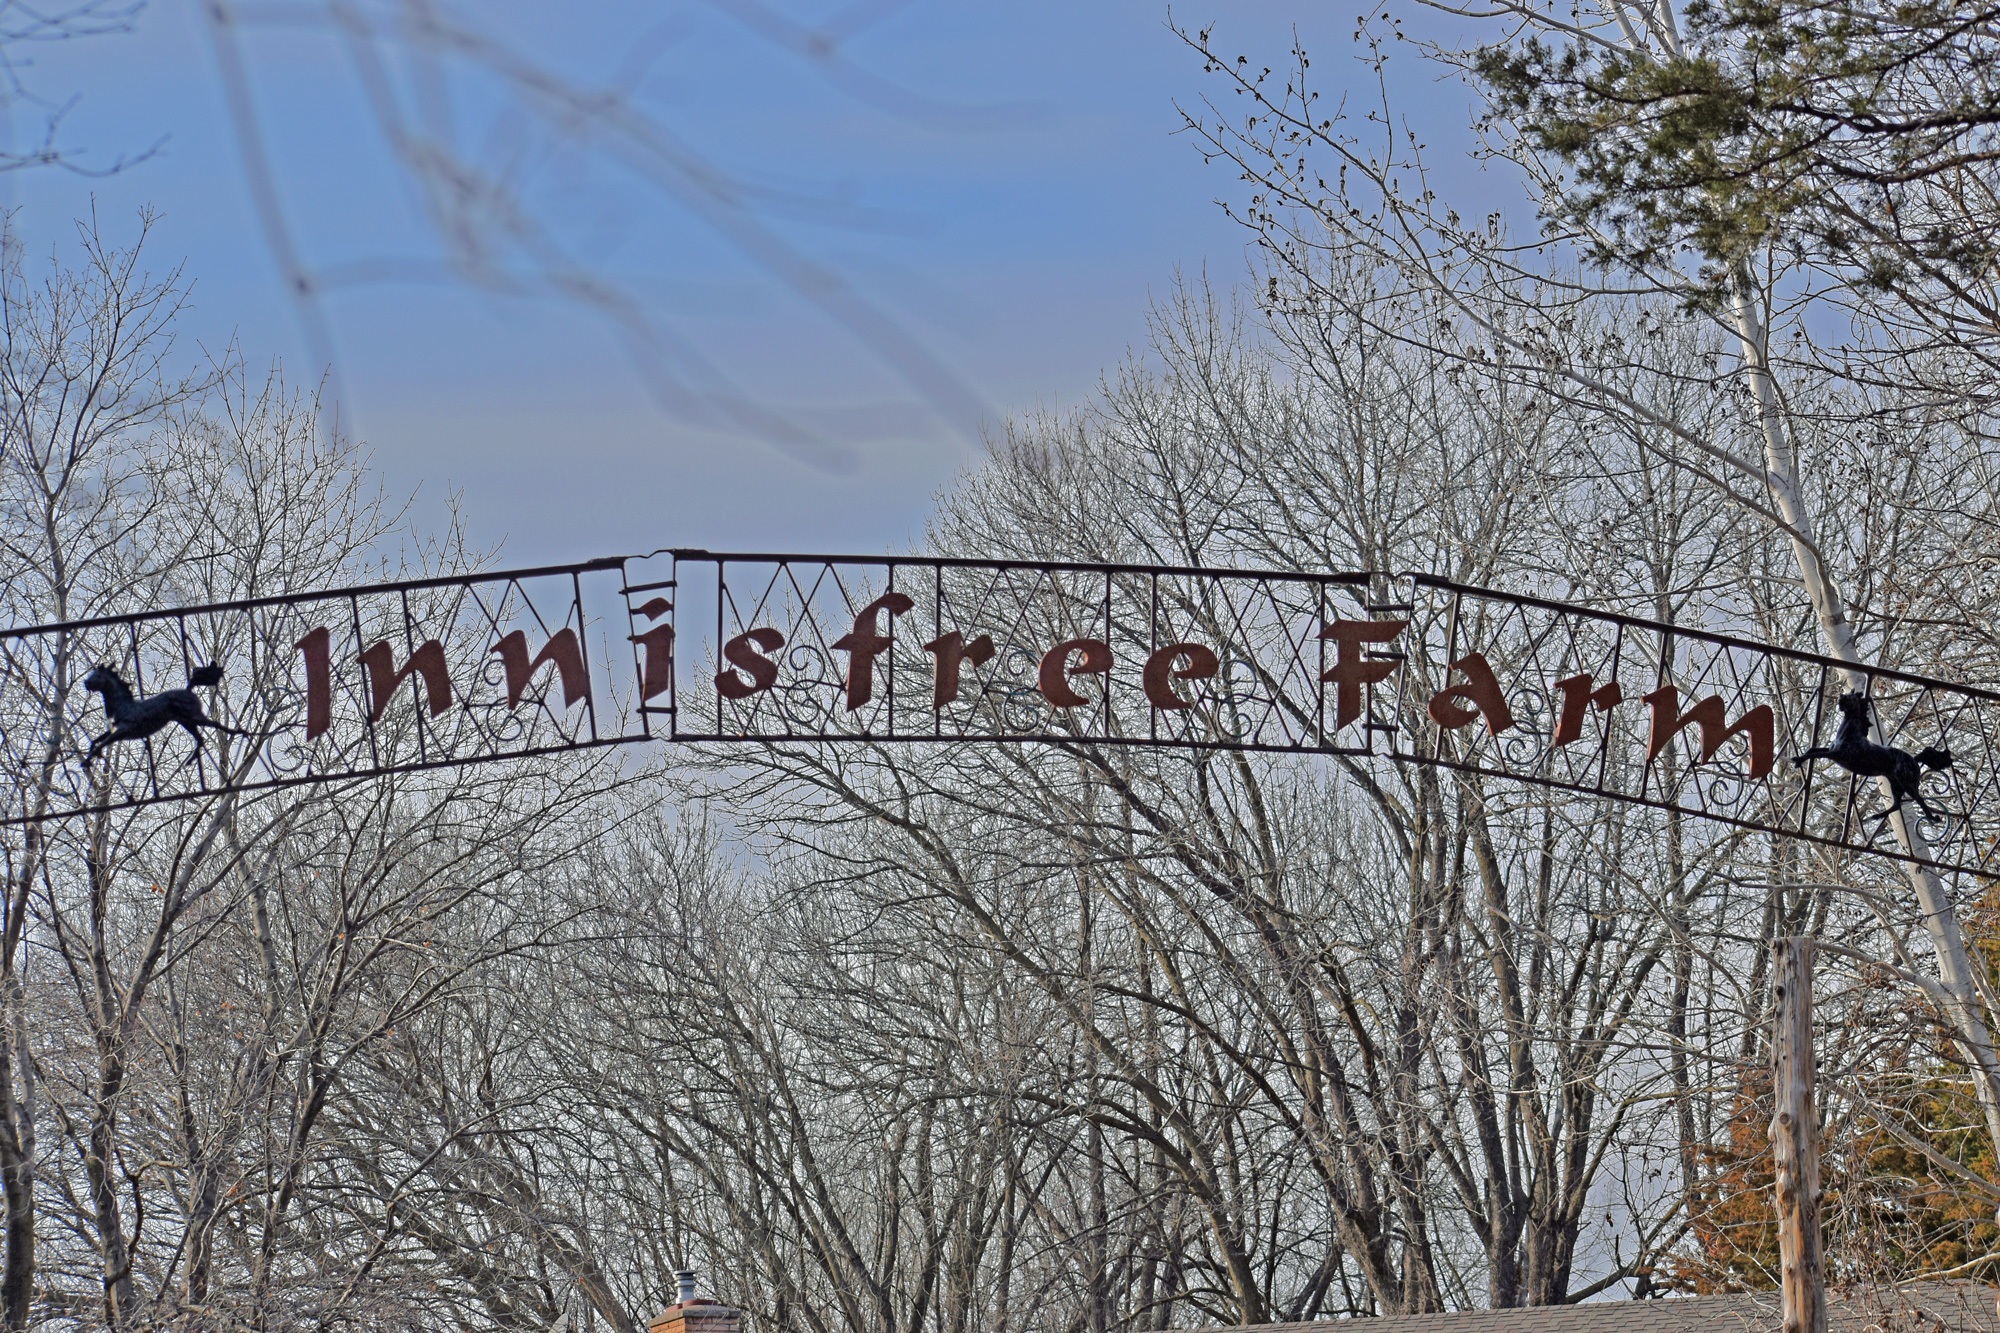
1001	183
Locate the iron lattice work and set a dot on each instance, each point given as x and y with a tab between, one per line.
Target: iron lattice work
1412	668
357	682
402	677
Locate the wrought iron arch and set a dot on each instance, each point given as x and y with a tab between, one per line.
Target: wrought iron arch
719	648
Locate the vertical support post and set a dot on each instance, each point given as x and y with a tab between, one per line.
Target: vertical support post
1795	1137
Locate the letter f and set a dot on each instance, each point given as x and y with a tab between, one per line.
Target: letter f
865	643
1353	667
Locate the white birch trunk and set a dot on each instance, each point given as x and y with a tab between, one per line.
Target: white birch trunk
1940	915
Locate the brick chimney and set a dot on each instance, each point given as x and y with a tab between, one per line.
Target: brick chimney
692	1314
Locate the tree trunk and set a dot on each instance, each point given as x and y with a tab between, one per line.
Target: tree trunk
17	1170
1795	1137
1940	918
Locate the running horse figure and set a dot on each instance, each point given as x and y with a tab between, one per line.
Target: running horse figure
1856	752
133	718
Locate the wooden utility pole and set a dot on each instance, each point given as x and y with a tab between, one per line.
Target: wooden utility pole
1795	1137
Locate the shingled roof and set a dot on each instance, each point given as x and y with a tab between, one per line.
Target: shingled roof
1928	1307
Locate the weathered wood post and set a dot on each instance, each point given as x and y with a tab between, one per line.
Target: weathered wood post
1795	1137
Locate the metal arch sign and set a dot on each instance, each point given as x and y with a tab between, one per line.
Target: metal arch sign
705	647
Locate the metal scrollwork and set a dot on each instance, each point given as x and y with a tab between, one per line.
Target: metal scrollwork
511	729
286	753
1022	709
1726	790
805	697
1527	744
1239	692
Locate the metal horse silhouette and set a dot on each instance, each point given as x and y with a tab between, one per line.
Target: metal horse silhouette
133	718
1855	752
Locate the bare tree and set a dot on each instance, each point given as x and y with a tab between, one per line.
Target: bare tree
189	986
84	371
1330	189
1391	1038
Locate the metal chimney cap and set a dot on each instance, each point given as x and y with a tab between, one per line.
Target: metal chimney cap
685	1277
